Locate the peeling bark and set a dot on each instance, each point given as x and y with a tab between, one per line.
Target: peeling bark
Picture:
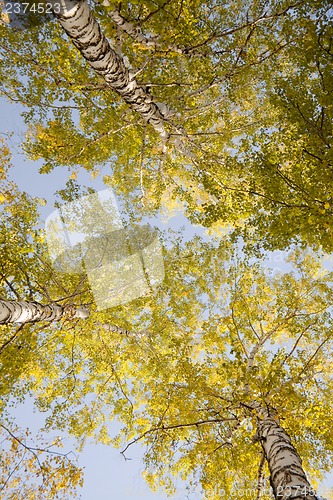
287	477
122	331
83	30
12	311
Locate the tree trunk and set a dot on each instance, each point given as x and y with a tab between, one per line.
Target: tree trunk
12	311
287	477
80	25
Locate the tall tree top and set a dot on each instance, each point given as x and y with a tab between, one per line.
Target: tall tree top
222	128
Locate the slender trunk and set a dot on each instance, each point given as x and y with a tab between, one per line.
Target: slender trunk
12	311
80	25
287	477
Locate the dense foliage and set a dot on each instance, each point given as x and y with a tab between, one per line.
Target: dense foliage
243	91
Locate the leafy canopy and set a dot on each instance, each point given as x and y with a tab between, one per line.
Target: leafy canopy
181	369
250	92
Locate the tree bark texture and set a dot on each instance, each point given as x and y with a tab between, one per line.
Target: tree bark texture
84	31
287	477
12	311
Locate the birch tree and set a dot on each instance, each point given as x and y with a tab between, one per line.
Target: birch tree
12	311
285	466
32	466
218	404
83	30
189	370
199	379
217	374
215	92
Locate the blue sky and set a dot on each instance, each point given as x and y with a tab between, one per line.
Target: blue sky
107	474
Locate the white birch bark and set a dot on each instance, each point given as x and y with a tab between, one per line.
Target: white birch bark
12	311
122	331
83	30
287	477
